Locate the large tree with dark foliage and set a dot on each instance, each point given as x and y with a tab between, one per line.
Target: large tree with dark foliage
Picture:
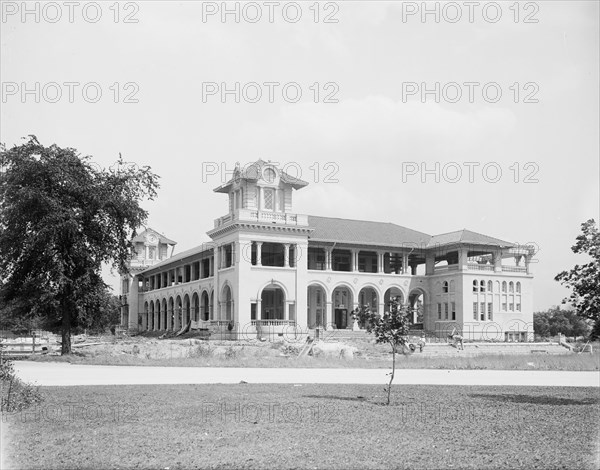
61	218
555	321
584	280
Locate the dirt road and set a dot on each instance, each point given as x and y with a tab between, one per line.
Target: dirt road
64	374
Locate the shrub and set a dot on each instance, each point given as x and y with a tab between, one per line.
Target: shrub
231	353
291	349
15	394
201	350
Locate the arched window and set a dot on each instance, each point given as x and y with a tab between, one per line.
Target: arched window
475	286
482	286
490	285
511	287
503	286
518	287
445	287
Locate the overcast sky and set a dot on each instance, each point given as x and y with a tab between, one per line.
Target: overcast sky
363	144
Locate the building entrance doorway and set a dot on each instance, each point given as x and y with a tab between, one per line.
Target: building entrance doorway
272	304
341	318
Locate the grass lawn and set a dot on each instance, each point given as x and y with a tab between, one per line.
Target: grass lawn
309	426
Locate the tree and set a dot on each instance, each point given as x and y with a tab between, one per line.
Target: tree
61	217
102	311
554	321
541	324
584	279
392	328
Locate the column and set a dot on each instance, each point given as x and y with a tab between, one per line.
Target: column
527	263
216	288
328	316
355	326
497	258
380	255
258	309
463	259
258	253
328	256
177	311
354	260
211	267
405	268
429	264
259	199
132	300
286	255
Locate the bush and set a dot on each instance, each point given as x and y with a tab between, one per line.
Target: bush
231	353
201	350
15	394
291	349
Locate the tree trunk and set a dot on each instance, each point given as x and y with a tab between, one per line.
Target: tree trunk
389	390
66	328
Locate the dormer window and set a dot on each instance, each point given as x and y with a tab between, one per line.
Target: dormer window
269	175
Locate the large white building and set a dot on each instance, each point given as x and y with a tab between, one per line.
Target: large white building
275	271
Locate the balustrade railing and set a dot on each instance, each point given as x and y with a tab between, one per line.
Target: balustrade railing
480	267
262	216
514	269
273	322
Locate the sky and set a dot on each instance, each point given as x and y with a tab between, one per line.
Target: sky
437	116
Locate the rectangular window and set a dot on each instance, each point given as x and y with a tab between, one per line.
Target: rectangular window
151	252
518	307
490	307
269	199
446	309
453	310
474	310
504	306
439	311
511	307
482	311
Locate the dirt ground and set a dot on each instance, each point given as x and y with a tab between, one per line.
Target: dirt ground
153	346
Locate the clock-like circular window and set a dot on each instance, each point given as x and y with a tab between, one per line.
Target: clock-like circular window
269	175
152	239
